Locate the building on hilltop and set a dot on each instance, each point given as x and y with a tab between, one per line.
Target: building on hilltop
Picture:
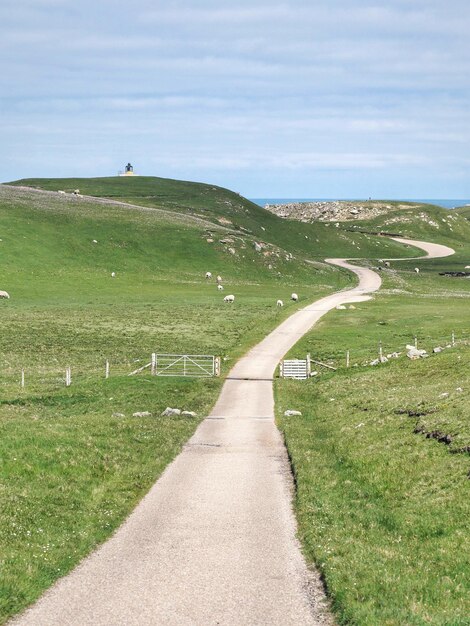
129	171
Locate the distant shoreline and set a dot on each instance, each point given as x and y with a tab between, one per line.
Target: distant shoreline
445	203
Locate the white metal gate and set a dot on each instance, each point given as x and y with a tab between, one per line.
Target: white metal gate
295	368
194	365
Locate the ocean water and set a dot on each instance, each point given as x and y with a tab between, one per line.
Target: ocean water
445	203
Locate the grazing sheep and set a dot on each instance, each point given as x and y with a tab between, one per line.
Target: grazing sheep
94	241
208	275
76	192
113	274
4	294
60	191
279	303
220	287
417	270
294	297
387	263
219	279
230	298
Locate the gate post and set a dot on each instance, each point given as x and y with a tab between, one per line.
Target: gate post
154	364
309	365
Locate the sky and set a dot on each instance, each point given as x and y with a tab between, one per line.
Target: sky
304	99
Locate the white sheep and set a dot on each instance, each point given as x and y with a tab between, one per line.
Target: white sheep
4	294
279	303
76	192
61	192
294	297
230	298
113	274
208	275
219	279
417	270
220	287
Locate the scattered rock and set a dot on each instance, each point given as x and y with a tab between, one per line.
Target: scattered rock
94	241
415	353
444	395
341	307
168	412
351	306
291	413
258	246
188	413
118	415
437	349
459	389
142	414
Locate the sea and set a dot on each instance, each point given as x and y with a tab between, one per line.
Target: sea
445	203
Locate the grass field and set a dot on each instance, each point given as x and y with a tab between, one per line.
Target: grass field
380	454
71	472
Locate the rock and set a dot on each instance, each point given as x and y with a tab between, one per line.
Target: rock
341	307
314	373
210	240
374	362
437	350
142	414
459	389
168	412
232	250
444	395
118	415
188	413
291	413
393	355
258	246
351	306
415	354
94	241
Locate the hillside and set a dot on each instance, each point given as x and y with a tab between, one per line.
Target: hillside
223	207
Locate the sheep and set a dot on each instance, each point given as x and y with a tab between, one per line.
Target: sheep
230	298
208	275
219	279
61	192
294	297
220	287
76	192
279	303
113	274
387	263
4	294
417	270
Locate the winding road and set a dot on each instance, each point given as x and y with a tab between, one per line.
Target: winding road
214	541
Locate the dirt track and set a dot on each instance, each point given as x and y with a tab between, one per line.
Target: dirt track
213	542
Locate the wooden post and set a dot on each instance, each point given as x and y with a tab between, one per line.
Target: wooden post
380	351
154	364
22	379
107	369
453	338
347	358
217	366
309	365
68	376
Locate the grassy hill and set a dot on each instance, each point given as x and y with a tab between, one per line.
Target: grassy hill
224	207
71	466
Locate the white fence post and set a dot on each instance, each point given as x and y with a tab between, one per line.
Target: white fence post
22	379
154	364
68	376
309	365
107	369
347	358
453	338
217	366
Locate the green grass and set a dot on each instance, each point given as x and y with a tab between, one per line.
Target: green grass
222	206
383	509
71	472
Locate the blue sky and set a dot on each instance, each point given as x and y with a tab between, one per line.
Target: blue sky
338	98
